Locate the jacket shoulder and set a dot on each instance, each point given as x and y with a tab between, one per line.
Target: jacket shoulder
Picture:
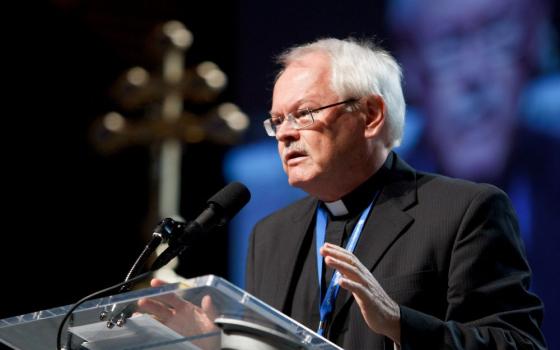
448	188
289	214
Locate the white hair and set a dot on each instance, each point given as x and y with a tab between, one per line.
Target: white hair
360	69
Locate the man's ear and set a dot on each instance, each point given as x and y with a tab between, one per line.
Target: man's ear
375	111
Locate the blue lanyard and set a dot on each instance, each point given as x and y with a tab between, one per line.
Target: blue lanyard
327	303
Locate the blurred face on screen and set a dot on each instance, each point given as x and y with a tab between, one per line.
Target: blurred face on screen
469	62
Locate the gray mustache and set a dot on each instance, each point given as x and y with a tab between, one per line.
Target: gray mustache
295	147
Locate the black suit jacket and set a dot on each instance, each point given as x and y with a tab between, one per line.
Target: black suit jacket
447	251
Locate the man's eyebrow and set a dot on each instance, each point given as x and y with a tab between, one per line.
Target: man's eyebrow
297	103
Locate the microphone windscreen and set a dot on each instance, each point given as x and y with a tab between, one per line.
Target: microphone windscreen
231	198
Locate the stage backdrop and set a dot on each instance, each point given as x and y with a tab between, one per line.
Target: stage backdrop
483	91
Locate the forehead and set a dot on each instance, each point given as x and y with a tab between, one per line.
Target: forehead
307	78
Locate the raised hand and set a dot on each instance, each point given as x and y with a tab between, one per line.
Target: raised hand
379	311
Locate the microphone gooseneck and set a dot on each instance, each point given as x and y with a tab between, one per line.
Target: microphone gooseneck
220	208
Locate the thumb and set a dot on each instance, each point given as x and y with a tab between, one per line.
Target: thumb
208	307
156	282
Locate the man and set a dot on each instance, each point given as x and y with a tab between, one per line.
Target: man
431	262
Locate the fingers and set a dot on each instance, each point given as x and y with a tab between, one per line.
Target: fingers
379	311
170	306
169	299
357	289
208	307
155	308
339	253
166	306
344	268
156	282
345	262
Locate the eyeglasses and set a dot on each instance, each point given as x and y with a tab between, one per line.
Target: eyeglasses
299	119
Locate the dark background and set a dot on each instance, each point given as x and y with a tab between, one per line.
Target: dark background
75	219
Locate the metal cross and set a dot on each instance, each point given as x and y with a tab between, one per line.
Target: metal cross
168	127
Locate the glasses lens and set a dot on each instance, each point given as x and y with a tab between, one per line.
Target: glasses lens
269	127
303	118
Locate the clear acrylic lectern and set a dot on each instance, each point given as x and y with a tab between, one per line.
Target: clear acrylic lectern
242	322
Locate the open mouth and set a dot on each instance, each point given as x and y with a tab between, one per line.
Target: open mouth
294	156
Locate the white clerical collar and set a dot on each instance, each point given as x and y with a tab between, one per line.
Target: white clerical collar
337	208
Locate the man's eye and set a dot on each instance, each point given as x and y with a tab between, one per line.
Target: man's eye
276	120
303	113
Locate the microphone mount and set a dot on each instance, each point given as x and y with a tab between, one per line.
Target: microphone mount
166	231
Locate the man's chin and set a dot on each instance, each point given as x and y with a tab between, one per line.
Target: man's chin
296	182
300	182
307	178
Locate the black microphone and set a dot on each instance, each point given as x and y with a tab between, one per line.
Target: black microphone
220	209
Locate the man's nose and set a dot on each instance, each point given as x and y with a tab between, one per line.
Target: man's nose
286	131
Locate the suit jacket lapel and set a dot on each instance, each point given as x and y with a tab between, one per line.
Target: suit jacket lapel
299	226
386	222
